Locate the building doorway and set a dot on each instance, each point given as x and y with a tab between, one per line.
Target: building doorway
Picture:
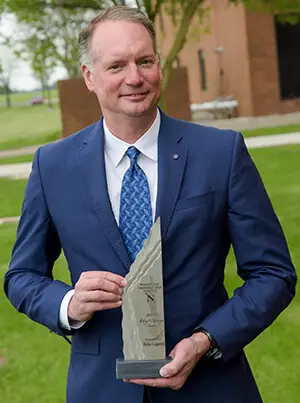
288	50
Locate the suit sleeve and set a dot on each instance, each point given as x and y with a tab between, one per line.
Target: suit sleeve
262	256
29	282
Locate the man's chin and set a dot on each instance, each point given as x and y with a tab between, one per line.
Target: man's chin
139	110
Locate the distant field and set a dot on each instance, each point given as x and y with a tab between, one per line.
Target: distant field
28	125
25	97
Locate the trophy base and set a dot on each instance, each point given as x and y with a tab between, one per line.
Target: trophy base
143	369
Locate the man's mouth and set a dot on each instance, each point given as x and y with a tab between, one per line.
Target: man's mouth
136	95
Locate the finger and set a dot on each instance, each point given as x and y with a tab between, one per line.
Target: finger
99	296
113	277
99	283
179	361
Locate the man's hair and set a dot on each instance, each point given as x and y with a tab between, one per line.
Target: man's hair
116	13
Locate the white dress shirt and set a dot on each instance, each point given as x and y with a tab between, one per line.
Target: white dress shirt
116	164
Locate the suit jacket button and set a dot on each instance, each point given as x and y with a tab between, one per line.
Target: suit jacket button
175	156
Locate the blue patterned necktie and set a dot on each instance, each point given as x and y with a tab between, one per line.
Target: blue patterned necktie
135	206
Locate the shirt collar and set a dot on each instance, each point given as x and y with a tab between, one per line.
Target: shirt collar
147	144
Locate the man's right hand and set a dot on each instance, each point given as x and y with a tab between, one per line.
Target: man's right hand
95	291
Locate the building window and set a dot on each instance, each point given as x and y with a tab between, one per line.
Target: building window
288	39
202	64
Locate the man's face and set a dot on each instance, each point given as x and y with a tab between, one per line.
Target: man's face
126	76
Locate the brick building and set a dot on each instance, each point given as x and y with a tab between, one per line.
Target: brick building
248	55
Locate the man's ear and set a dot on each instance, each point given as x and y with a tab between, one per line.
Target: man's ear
159	66
88	77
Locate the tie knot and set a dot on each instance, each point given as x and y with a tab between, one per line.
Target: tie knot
132	153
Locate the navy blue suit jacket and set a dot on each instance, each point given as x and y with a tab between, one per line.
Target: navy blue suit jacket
209	198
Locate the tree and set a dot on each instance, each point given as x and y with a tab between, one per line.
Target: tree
40	53
53	31
4	82
5	79
181	12
69	22
8	63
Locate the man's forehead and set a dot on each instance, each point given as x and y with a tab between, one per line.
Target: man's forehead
119	23
116	32
121	53
121	42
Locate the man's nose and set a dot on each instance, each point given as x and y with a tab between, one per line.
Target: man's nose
133	76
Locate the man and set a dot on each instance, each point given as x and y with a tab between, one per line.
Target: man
208	193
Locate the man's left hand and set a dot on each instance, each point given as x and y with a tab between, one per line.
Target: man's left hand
185	356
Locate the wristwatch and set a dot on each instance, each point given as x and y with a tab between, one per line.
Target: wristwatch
214	351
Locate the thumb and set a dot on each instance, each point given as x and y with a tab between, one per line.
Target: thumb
175	366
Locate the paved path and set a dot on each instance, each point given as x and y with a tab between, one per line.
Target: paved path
273	141
18	152
250	122
22	170
9	220
15	171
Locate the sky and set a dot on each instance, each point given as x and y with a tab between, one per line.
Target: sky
22	78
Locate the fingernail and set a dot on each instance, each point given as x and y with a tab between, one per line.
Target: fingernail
124	282
164	373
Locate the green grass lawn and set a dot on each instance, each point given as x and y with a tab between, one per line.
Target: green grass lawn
271	130
16	160
25	97
28	125
11	196
275	355
35	362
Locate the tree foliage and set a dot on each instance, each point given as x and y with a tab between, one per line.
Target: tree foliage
49	33
153	8
54	34
181	12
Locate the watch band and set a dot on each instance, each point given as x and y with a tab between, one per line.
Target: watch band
214	351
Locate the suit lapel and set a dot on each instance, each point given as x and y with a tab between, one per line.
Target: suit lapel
92	164
171	165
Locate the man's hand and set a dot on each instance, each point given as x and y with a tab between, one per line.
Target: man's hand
185	356
95	291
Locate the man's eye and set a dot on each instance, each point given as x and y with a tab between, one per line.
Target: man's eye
115	67
146	62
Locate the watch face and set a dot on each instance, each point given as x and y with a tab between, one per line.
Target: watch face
214	353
